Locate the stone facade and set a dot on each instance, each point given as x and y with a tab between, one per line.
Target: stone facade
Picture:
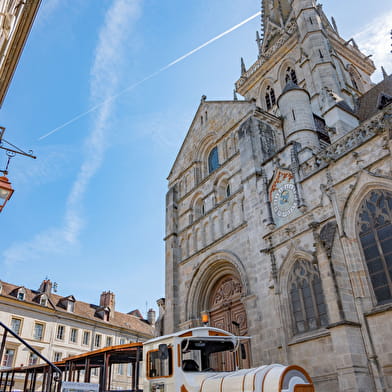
280	204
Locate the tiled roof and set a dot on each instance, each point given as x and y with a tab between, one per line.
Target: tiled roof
369	102
81	309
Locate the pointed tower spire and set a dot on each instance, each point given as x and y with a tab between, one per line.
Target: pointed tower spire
276	16
243	68
259	43
335	26
384	73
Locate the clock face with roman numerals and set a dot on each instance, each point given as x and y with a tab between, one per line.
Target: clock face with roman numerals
283	197
284	201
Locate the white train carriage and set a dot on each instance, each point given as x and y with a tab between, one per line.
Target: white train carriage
197	360
207	360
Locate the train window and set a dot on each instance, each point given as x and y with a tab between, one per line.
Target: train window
208	355
157	366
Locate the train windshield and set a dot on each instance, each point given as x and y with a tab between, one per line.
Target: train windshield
208	355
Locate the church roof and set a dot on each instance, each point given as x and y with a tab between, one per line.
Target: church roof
291	86
368	103
82	309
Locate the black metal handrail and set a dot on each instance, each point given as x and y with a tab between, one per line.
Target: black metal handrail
7	330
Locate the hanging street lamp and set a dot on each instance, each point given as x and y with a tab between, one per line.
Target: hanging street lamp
11	150
6	191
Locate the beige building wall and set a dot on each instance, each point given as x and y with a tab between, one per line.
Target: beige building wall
16	19
59	327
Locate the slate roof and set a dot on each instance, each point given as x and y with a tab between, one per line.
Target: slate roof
82	309
368	104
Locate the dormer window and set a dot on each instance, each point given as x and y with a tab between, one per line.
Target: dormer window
21	294
67	303
43	300
103	313
70	306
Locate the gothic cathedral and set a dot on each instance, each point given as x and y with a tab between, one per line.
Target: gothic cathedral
279	208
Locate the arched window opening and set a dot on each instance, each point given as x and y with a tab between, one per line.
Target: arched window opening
375	233
270	99
228	190
213	160
291	75
307	299
355	78
198	209
223	190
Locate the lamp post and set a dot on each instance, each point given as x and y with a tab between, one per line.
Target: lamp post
204	318
11	150
6	191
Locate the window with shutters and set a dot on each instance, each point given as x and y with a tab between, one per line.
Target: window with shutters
60	332
16	325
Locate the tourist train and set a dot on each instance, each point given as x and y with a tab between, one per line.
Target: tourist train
203	359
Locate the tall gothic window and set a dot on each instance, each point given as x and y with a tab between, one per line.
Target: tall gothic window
355	78
307	299
270	99
213	160
291	75
374	226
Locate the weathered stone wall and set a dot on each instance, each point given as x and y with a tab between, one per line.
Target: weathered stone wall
213	233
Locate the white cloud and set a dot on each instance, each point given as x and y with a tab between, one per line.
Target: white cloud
375	39
106	72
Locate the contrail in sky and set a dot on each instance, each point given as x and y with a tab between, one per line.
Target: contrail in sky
132	86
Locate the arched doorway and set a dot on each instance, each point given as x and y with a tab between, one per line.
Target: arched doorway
227	312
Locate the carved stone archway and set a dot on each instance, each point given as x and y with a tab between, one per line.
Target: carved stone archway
227	312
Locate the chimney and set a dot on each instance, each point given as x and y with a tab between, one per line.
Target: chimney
46	287
107	300
151	317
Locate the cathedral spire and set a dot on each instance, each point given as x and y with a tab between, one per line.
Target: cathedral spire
275	17
276	11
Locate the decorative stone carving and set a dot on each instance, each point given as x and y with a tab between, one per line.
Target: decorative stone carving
327	235
228	289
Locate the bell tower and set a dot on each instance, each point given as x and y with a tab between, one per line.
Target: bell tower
298	37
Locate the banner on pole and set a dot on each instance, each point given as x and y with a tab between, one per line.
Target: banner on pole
67	386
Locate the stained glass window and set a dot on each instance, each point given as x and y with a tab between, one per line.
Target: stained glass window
270	99
375	234
307	298
291	75
213	160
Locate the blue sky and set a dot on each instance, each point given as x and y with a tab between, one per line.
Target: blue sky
89	213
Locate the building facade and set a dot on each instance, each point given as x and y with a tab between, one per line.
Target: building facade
60	327
279	208
16	20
